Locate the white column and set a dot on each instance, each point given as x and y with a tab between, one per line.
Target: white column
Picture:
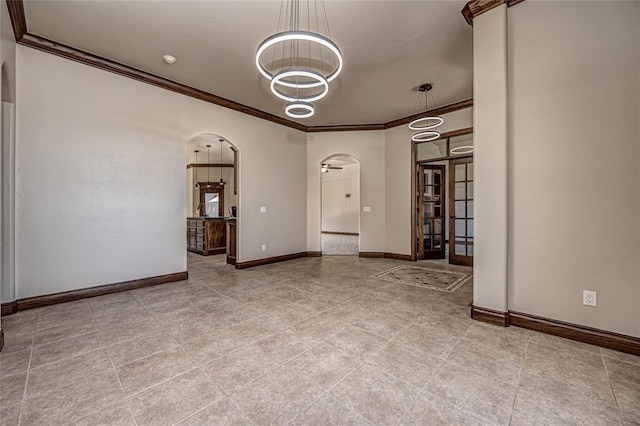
490	159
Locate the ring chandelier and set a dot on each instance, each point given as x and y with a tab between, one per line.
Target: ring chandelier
300	59
463	149
425	125
299	110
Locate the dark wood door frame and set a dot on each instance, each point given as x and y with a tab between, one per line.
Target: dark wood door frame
455	259
437	200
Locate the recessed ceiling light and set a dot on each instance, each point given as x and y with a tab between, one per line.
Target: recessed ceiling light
169	59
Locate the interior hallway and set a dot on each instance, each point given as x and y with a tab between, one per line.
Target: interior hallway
308	341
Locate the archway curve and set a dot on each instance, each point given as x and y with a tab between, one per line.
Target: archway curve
339	218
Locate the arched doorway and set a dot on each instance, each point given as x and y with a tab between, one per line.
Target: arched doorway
212	197
340	205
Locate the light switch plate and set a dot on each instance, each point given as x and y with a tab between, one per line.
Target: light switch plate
263	209
366	209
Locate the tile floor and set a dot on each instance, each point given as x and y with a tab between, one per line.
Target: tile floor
312	341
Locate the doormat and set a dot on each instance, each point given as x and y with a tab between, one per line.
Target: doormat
432	279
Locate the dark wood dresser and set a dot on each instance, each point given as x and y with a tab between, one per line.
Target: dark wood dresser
207	235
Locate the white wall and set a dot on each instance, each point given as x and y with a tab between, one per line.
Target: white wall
368	148
574	211
101	180
339	212
398	169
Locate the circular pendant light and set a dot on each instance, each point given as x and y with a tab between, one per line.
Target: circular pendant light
300	60
426	136
299	110
279	77
464	149
426	124
417	124
299	36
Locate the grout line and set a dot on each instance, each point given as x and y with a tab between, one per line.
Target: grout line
615	398
126	400
522	361
224	396
161	382
26	379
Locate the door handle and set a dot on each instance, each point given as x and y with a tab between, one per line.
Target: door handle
452	216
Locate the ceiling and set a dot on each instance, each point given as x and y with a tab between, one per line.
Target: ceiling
200	142
389	48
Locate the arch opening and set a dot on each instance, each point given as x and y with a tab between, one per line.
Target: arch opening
340	205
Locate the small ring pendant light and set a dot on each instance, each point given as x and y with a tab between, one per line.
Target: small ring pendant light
425	125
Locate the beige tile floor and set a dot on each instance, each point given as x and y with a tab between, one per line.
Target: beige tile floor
312	341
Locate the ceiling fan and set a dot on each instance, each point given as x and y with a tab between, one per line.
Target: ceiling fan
326	167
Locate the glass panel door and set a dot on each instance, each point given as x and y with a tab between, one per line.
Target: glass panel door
461	211
431	195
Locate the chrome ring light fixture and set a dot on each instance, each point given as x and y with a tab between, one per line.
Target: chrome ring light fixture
279	78
426	136
297	36
300	60
299	110
425	125
464	149
437	121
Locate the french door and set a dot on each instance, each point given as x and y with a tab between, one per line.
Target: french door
431	212
461	211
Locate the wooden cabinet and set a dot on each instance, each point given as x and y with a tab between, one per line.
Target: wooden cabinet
231	241
206	235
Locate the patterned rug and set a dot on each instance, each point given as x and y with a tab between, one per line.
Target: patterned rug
418	276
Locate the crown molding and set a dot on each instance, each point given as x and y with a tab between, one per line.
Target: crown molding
345	128
24	38
478	7
394	123
18	20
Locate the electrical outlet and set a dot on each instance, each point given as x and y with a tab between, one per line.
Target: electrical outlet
263	209
264	247
589	298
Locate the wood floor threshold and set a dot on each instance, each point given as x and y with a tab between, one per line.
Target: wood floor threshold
270	260
84	293
580	333
340	233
